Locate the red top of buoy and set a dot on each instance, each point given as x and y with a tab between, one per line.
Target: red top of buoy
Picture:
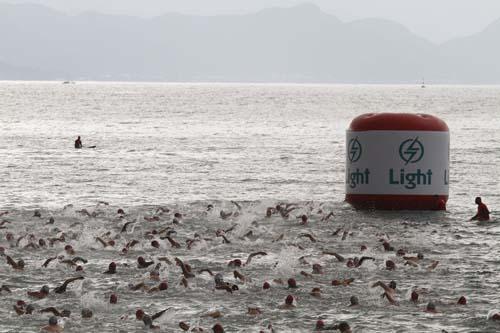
398	122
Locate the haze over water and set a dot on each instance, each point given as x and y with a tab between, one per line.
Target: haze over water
185	146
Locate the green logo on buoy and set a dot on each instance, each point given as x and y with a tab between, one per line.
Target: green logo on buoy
354	150
411	151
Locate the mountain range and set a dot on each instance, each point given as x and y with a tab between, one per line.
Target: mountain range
298	44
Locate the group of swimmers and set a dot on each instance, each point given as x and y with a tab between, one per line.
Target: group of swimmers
167	232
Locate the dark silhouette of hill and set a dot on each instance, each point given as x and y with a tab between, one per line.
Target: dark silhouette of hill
298	44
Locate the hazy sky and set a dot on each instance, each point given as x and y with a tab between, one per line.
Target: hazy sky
436	20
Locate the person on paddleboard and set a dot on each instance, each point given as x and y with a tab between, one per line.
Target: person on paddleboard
78	143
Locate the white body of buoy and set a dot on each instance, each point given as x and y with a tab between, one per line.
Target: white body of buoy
397	161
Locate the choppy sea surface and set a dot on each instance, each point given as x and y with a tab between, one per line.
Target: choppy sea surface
183	147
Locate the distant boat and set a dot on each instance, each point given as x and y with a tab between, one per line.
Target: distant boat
423	84
69	82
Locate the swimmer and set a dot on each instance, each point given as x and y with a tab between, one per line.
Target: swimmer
414	296
213	314
206	270
139	314
416	259
124	227
387	246
87	313
494	315
285	212
19	265
148	322
354	301
390	265
184	326
238	275
155	273
113	299
111	269
19	309
78	143
292	283
254	311
69	250
55	312
307	275
316	292
53	326
433	265
389	291
320	325
138	286
235	263
161	287
225	215
68	262
177	218
79	259
311	238
5	288
172	242
217	328
250	256
430	308
44	292
343	327
62	288
104	243
185	269
357	262
483	214
29	309
221	285
342	282
289	303
142	263
317	269
224	239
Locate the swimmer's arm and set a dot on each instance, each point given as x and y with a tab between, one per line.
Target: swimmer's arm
236	204
363	259
100	240
11	262
251	255
336	255
433	265
157	315
383	286
390	298
325	218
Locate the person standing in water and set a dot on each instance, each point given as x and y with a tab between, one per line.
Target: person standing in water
483	214
78	143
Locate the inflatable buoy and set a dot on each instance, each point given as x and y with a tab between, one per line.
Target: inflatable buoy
397	161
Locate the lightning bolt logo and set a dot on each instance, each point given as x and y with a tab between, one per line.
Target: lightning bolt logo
411	151
355	150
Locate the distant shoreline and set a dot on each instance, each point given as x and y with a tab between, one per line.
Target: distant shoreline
253	83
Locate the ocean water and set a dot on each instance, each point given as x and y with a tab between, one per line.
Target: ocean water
185	146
